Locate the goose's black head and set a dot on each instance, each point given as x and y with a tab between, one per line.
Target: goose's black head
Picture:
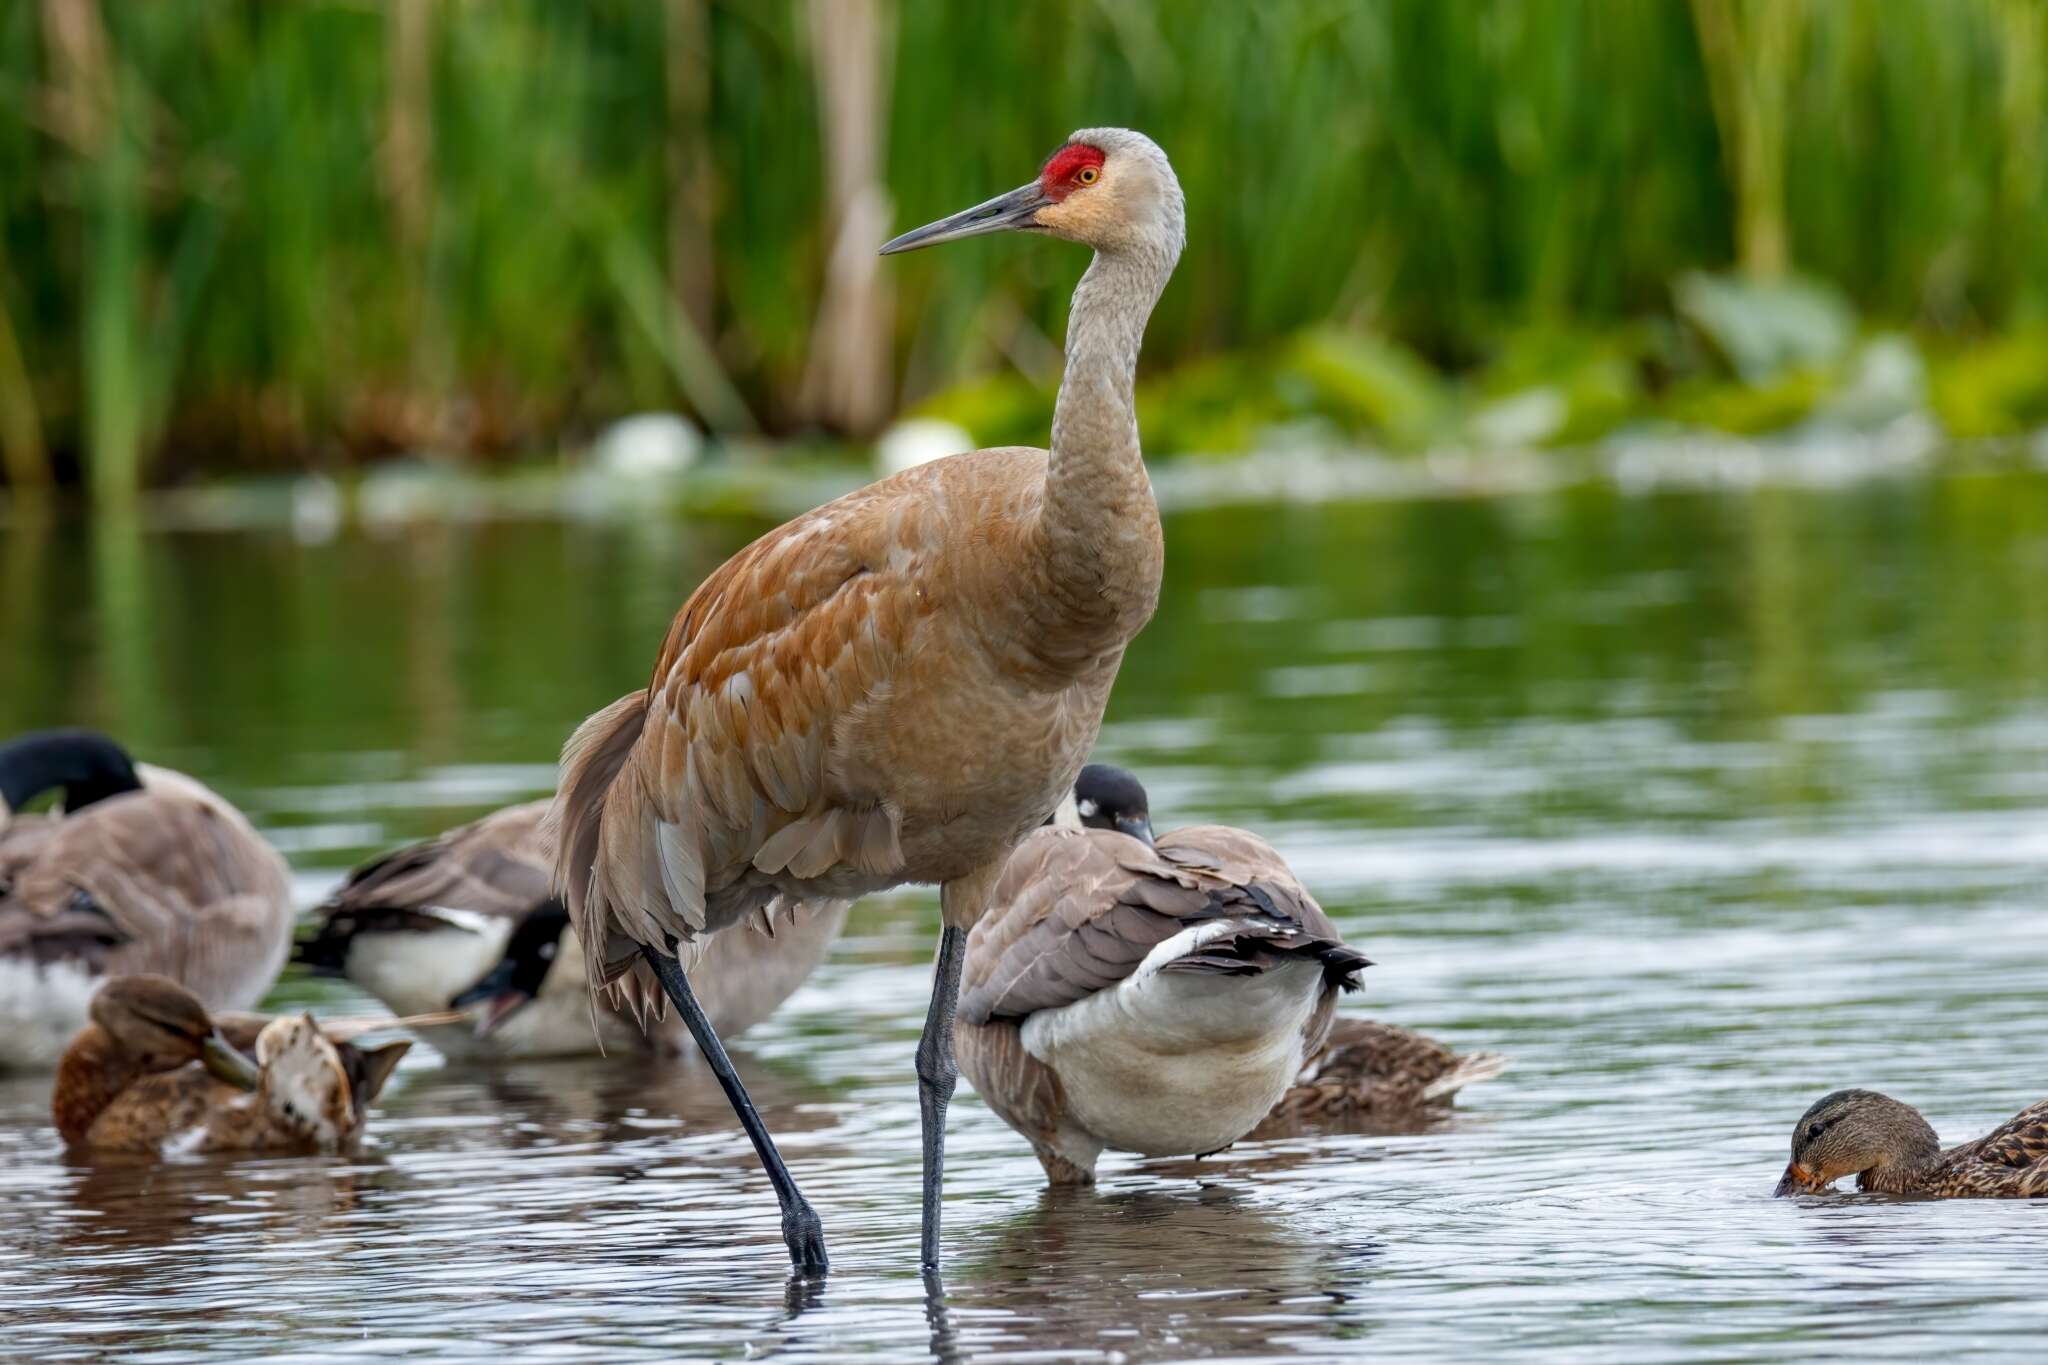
529	956
1109	797
85	764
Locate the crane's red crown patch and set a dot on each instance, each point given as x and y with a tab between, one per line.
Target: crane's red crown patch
1063	167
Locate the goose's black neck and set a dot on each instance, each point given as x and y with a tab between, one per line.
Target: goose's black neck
87	765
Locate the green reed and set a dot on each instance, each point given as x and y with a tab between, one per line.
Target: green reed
246	234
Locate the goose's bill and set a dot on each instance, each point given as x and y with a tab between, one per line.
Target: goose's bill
1798	1180
1139	827
1006	212
225	1062
492	1013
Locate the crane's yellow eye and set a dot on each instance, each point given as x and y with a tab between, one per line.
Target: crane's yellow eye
1088	175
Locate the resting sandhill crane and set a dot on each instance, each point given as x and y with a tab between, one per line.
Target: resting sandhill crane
1149	997
898	686
145	870
154	1072
466	919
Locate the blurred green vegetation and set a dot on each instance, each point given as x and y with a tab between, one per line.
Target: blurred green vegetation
249	235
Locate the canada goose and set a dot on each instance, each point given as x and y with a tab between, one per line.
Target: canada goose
1365	1071
897	686
154	1072
145	870
465	920
1153	997
1890	1149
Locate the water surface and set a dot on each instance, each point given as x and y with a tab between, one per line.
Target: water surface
1699	805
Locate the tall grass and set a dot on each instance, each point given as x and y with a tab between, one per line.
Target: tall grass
301	233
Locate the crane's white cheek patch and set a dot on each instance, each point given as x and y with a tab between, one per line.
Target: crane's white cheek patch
41	1011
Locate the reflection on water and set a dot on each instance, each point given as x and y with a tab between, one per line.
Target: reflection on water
1696	805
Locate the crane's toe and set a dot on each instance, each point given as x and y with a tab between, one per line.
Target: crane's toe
804	1234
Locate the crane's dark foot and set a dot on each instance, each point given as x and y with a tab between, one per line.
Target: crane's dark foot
804	1234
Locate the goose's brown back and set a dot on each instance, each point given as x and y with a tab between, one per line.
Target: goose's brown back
169	881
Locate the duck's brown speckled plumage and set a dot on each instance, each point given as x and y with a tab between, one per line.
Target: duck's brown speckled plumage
1372	1072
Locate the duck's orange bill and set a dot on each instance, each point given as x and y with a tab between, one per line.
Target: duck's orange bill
1798	1180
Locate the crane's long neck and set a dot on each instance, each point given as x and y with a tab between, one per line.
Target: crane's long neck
1101	524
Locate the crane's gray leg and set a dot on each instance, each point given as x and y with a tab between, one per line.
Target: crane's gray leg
936	1076
801	1230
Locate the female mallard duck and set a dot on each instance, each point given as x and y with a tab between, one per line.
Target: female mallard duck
1891	1149
154	1072
466	920
145	870
1149	997
1371	1072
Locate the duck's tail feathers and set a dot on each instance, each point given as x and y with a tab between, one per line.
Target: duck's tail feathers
1480	1066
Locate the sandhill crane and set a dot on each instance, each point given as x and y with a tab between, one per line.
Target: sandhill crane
466	918
1149	997
145	870
898	686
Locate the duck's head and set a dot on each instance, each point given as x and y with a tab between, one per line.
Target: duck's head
1109	797
530	955
161	1026
1852	1132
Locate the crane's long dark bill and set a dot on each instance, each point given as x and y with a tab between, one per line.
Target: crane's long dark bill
1017	209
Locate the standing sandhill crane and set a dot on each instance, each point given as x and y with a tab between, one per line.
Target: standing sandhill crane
466	919
898	686
146	870
1154	997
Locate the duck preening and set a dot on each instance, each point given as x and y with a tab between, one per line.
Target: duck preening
155	1072
466	921
1891	1149
898	686
140	870
1147	996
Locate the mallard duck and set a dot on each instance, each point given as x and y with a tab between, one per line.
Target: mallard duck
1368	1071
1149	996
155	1072
466	920
1891	1149
145	870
